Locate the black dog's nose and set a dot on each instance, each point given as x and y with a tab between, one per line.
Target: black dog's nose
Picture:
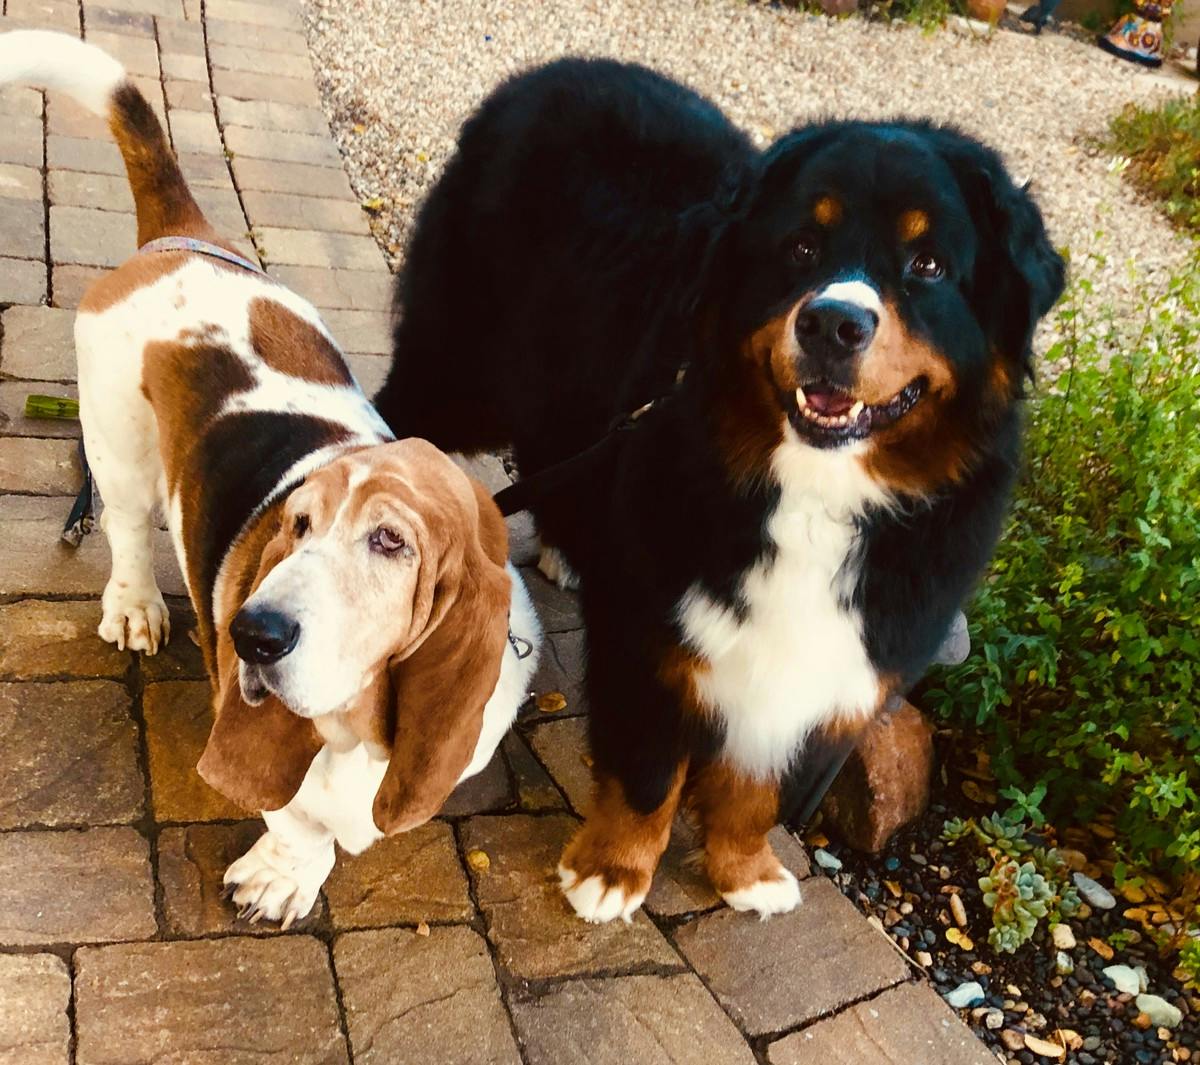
262	636
835	328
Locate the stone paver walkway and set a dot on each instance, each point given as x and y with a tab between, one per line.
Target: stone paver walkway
447	945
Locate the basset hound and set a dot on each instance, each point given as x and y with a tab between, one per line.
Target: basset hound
367	641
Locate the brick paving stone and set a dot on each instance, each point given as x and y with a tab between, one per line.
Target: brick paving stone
162	8
562	663
224	31
138	55
435	1000
404	879
130	23
102	192
81	153
260	61
200	169
49	14
71	281
192	860
246	86
557	609
275	15
90	886
181	38
651	1020
536	933
36	562
535	789
184	67
313	149
270	115
263	176
38	343
302	247
65	118
87	237
188	95
18	101
38	467
40	639
22	182
12	410
773	975
305	212
178	720
196	131
21	280
488	790
369	371
334	289
909	1025
562	747
34	1027
23	230
21	141
240	1001
180	658
361	332
69	755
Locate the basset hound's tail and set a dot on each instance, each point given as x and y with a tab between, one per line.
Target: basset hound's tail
56	61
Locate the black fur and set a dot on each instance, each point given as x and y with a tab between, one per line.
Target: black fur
601	226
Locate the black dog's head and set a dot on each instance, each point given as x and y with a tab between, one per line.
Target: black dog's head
885	280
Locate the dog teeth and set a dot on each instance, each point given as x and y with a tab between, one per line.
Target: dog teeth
801	398
856	410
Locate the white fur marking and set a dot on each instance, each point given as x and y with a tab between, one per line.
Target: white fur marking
859	293
61	63
767	897
595	901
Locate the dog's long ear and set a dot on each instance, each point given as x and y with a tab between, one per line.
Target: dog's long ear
256	755
1018	276
440	689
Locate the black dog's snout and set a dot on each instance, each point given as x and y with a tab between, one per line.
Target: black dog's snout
835	329
262	636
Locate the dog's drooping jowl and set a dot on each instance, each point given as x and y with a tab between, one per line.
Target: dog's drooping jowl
836	331
352	593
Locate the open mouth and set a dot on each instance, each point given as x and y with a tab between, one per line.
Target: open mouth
827	416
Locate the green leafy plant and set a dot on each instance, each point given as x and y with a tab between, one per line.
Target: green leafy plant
1163	146
1022	882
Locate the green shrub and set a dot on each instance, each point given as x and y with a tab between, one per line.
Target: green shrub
1085	669
1163	147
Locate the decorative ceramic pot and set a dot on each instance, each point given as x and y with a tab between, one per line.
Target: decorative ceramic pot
1138	36
986	10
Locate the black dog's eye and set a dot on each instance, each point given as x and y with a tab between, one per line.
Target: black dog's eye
301	525
805	251
926	266
388	542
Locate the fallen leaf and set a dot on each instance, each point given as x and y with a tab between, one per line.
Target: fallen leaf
479	861
1133	893
1044	1048
960	939
374	204
817	839
1137	914
1072	1040
978	794
1101	948
958	910
551	702
422	929
893	888
358	127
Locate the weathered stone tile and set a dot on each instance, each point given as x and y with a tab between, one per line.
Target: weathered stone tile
82	153
252	14
362	332
246	86
129	23
301	247
307	212
188	95
40	639
271	115
40	467
103	192
21	141
561	669
536	933
260	61
557	609
181	38
69	755
651	1020
22	232
907	1024
37	562
180	658
178	720
435	1000
71	281
89	886
562	747
205	169
332	289
370	371
535	789
269	39
22	182
49	14
162	8
313	149
38	344
91	238
488	790
34	1026
795	967
184	67
65	118
137	54
196	131
22	280
404	879
263	175
19	101
192	860
13	422
214	1002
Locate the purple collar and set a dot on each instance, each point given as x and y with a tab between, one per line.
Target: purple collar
200	247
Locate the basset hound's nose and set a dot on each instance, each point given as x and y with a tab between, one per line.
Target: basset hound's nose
262	636
835	329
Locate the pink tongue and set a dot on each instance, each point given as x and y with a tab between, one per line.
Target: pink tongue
832	403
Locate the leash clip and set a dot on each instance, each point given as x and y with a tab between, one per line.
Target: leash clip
521	646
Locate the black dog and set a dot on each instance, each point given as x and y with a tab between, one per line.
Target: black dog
840	327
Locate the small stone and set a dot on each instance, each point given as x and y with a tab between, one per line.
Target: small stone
906	908
1063	965
1160	1012
423	929
892	864
924	959
1013	1040
826	860
1101	948
958	911
1142	1022
981	968
1095	894
1123	978
1063	937
1143	977
968	994
479	861
994	1019
551	702
1044	1048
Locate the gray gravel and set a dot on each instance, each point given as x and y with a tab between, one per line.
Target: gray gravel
399	76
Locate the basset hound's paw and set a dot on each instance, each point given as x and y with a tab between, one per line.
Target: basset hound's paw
554	568
135	619
602	897
779	893
264	884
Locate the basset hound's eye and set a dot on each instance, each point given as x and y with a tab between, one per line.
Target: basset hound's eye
385	541
926	266
300	525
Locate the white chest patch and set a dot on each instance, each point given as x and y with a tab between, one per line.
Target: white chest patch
797	657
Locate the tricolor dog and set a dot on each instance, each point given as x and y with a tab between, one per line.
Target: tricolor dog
352	591
834	334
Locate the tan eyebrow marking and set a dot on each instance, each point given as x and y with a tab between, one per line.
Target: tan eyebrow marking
913	224
827	211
